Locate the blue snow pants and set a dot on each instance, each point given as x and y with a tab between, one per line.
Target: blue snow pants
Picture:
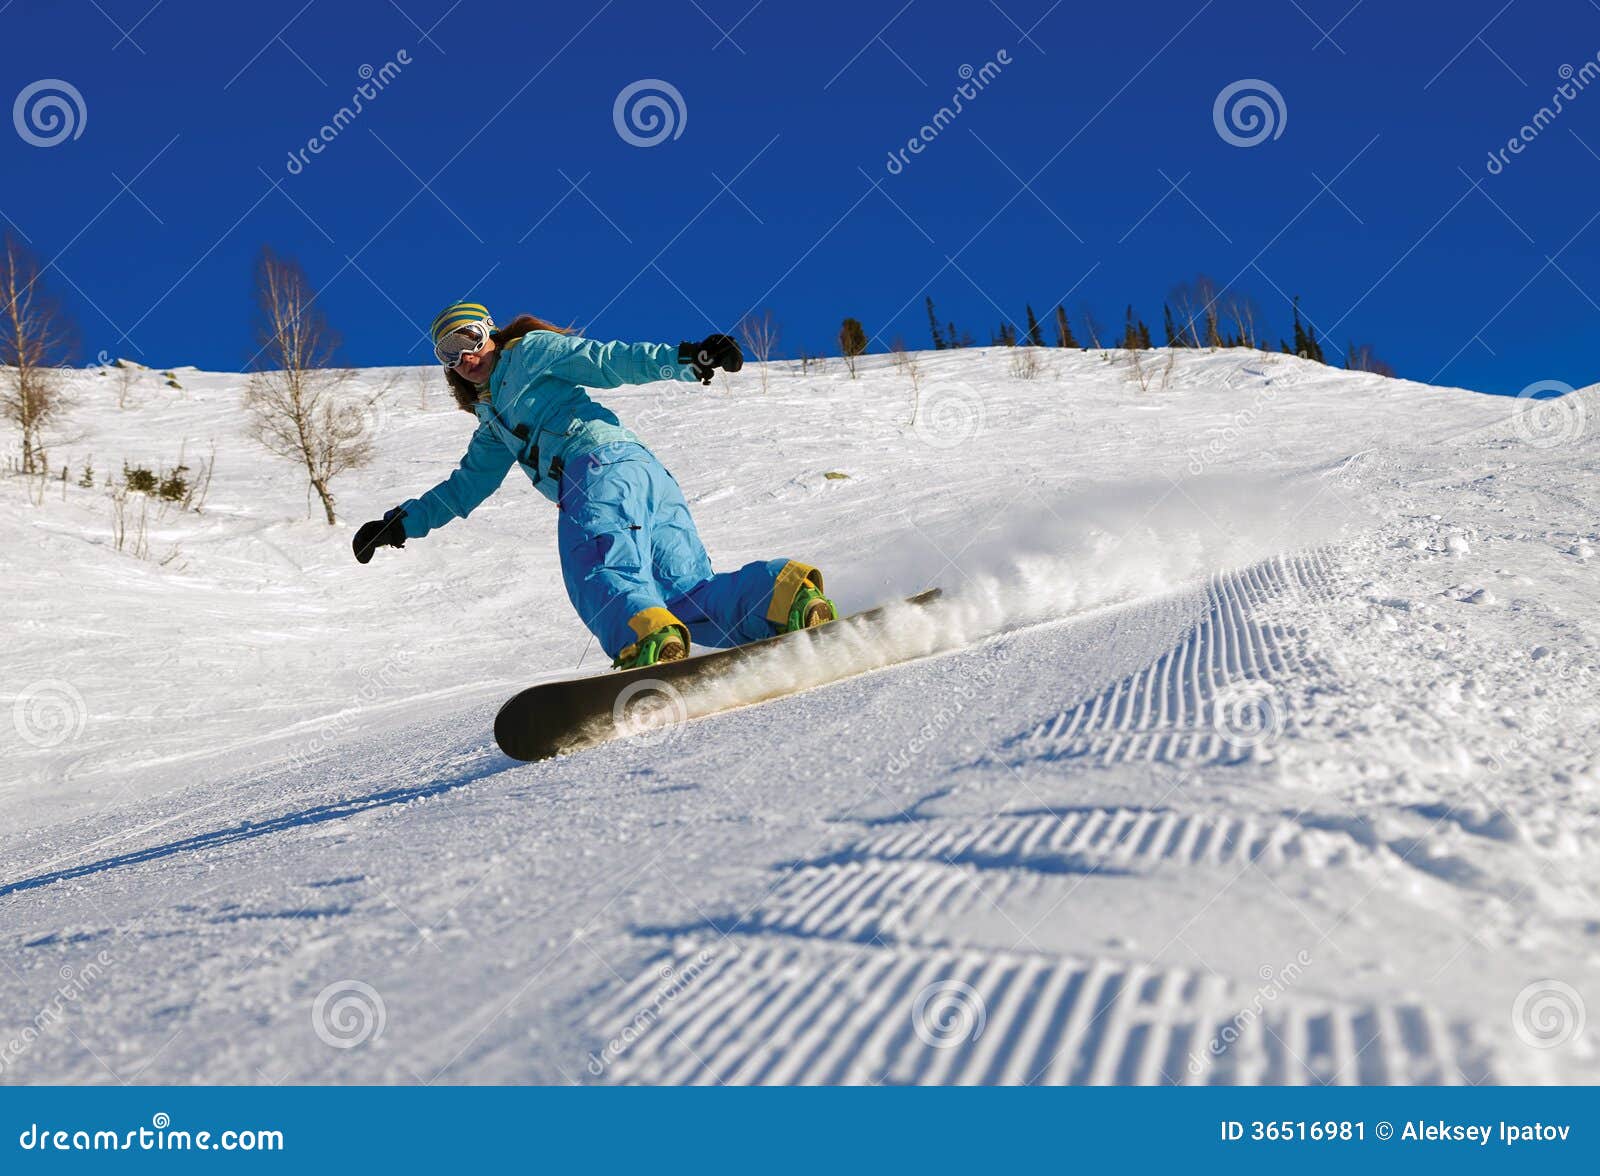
629	550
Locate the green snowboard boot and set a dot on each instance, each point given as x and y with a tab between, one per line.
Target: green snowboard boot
810	609
665	644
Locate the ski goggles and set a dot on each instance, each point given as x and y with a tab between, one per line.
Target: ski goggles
467	339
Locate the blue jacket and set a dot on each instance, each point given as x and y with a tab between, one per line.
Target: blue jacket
538	413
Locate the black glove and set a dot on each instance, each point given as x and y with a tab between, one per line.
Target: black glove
388	531
711	353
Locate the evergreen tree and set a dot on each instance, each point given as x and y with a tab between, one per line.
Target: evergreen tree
956	338
1313	347
1144	336
1305	337
1035	332
1063	329
933	326
1173	338
1130	334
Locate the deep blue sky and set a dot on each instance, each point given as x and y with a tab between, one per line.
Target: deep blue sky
198	107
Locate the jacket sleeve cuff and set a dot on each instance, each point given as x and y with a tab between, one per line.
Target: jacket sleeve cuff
685	371
413	524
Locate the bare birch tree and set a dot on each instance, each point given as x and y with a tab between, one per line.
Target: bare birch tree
301	407
759	334
35	336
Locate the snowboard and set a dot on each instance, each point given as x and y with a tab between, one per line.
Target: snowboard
554	718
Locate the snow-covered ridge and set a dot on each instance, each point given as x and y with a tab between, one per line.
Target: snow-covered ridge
1245	658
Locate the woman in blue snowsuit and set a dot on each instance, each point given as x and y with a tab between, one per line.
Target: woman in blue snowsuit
635	569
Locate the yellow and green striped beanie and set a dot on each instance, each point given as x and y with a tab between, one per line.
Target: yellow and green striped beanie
457	315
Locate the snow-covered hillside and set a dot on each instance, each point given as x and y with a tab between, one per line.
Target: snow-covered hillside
1259	746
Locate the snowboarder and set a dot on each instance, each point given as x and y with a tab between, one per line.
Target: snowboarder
634	566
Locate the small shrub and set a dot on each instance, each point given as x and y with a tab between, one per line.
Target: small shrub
174	484
1025	362
140	479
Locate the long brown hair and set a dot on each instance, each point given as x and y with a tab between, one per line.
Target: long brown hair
463	389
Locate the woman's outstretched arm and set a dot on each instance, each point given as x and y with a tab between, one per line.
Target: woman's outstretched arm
479	475
603	365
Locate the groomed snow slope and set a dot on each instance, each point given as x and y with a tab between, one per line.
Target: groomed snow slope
1257	746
